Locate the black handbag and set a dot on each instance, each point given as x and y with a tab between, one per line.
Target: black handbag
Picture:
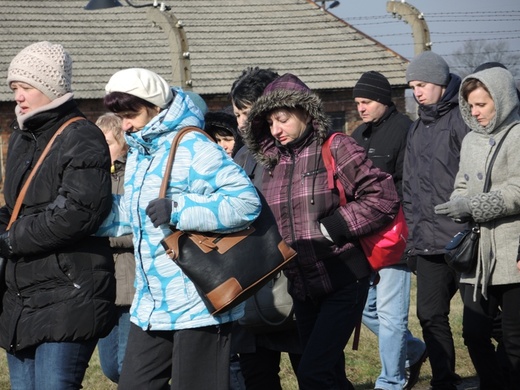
462	251
227	268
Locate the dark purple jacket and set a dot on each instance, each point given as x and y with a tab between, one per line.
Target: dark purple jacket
295	186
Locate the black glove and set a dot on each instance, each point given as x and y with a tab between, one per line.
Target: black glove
6	250
160	211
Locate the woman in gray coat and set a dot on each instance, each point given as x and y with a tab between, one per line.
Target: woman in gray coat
489	105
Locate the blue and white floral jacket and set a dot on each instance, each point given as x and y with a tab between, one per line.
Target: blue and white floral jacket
209	193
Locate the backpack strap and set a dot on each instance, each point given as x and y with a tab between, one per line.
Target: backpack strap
330	165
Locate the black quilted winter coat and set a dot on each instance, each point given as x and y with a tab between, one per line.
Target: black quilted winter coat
60	284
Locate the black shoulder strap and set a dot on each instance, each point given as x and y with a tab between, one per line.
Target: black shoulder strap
487	183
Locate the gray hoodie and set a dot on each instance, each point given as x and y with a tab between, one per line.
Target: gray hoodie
498	211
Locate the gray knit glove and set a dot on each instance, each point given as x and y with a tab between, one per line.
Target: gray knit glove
457	209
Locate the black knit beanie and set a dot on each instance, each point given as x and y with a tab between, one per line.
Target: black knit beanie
489	65
374	86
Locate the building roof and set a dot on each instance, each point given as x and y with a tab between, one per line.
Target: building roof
198	44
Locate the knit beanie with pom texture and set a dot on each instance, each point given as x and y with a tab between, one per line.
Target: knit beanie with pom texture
44	66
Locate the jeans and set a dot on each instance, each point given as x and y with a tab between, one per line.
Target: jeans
112	348
437	283
478	327
325	326
57	366
386	315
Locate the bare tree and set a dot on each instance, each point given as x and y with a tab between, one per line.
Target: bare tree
476	52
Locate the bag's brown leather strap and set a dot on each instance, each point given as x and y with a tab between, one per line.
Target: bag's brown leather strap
21	195
171	156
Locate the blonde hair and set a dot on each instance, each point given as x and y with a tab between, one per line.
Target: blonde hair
110	122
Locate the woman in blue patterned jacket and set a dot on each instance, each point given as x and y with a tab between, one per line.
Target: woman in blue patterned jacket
329	279
173	336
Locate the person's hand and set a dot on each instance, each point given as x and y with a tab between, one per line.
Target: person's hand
456	209
159	210
410	258
6	250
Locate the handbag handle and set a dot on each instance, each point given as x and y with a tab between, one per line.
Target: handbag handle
23	191
171	157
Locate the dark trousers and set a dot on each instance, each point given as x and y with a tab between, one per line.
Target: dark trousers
261	368
436	285
478	329
325	326
194	359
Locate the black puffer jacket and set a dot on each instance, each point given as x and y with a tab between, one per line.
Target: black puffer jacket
61	285
431	164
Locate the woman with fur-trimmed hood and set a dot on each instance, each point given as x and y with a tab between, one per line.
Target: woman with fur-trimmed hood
330	277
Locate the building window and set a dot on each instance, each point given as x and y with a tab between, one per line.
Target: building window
338	121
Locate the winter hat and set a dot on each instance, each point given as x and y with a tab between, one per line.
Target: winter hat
489	65
198	101
222	120
288	82
374	86
430	68
45	66
142	83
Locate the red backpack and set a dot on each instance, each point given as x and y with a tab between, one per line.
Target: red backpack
383	247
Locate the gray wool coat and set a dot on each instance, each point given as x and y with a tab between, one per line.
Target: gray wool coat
498	211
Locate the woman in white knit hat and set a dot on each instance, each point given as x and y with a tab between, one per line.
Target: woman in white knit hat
174	341
60	284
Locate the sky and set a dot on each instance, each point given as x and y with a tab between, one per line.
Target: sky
451	22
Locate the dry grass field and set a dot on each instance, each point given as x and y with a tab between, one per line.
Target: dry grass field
362	365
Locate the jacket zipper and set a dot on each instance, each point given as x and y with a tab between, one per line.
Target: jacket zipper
291	219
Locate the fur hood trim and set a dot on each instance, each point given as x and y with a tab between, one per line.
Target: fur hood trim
286	91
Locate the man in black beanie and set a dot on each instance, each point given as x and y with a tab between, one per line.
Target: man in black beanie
430	166
383	135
